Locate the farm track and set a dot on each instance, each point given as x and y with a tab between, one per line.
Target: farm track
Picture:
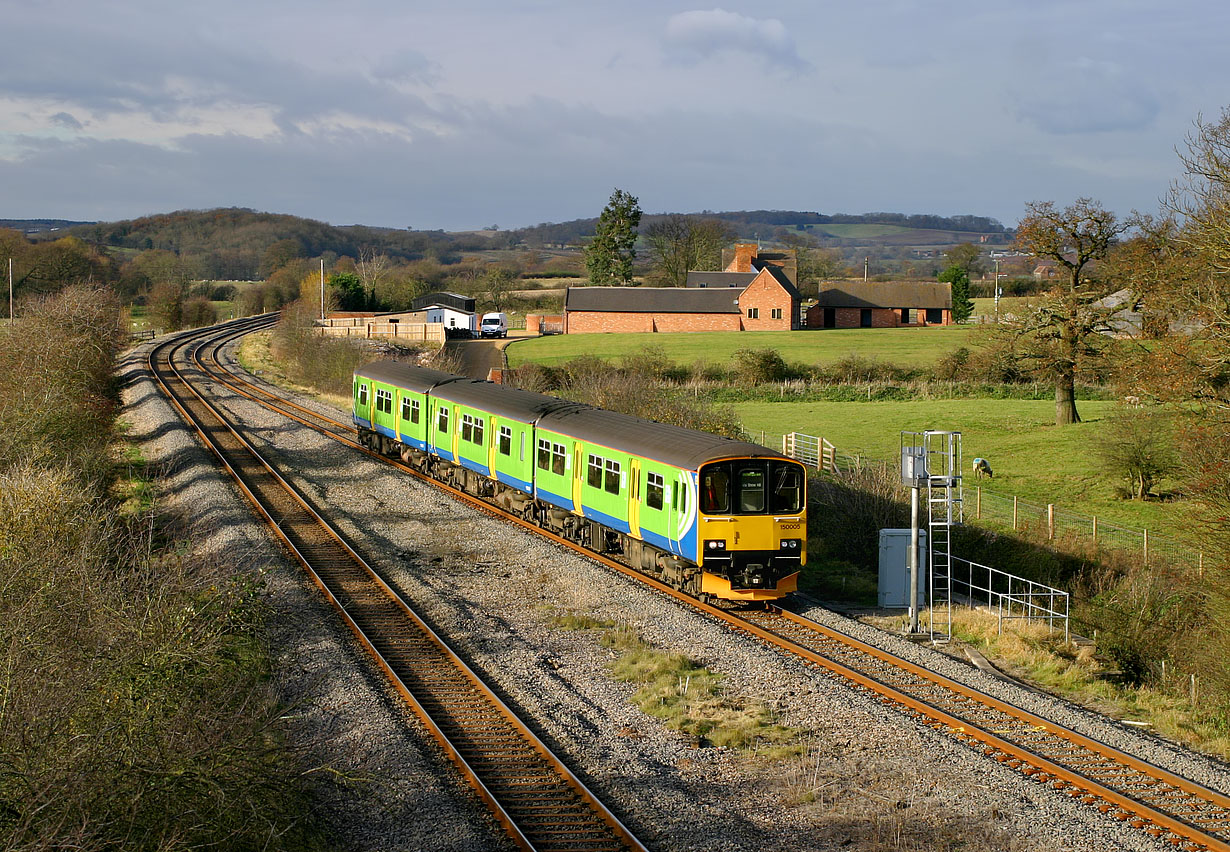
1166	806
540	803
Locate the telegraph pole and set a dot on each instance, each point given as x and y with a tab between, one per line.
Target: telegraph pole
11	320
322	288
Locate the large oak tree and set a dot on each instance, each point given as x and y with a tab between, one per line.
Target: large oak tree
1063	331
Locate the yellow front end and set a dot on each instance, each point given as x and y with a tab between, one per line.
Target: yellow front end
751	557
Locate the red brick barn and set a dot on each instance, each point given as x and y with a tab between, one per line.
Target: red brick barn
889	304
626	309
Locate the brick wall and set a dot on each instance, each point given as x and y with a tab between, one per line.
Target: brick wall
765	295
597	322
880	317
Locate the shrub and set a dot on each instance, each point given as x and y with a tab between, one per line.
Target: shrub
1137	446
758	366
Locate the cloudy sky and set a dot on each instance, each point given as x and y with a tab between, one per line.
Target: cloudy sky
474	112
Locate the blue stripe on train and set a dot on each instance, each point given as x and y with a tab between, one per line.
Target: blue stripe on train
607	520
412	442
514	482
554	499
384	430
359	421
473	465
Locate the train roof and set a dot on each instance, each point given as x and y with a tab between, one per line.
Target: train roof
408	376
503	401
673	445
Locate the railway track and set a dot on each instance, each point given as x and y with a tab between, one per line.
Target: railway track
538	801
1176	810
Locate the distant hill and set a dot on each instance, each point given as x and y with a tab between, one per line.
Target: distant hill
38	226
231	243
837	229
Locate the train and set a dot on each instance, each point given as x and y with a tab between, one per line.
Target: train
715	517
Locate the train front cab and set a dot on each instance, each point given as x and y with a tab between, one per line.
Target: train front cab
751	527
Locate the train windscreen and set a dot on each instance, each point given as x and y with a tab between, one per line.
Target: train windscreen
751	487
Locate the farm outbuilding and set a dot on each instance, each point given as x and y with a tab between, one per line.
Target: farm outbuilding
875	304
755	298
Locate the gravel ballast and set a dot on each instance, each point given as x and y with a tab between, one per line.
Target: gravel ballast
870	778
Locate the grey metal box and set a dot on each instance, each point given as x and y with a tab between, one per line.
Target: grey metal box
895	568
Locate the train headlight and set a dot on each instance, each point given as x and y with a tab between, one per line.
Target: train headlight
792	544
715	545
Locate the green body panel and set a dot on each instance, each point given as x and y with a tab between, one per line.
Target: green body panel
472	443
518	463
598	497
663	521
362	398
550	479
403	409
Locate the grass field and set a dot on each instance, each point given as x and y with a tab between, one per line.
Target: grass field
1032	458
905	346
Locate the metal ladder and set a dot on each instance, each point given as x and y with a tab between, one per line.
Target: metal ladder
945	509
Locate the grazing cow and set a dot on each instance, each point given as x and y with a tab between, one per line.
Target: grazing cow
982	468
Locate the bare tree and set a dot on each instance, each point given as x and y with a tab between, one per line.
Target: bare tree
370	267
1063	331
678	244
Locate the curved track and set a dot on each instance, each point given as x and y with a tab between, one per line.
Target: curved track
540	803
1166	806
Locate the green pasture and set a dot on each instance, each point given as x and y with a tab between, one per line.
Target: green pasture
854	231
1032	458
905	346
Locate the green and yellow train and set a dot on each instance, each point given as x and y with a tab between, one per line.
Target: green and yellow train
711	516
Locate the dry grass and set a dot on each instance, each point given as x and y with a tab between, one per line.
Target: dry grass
855	797
686	696
255	357
1035	655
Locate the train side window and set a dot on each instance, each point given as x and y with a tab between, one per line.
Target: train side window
751	489
467	427
683	497
715	491
405	408
593	473
558	459
653	490
384	401
611	483
480	431
787	488
442	420
414	411
544	454
522	445
362	394
505	441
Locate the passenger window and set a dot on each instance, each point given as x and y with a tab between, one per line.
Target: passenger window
362	394
593	473
544	455
557	459
405	408
683	497
505	441
414	411
715	492
751	490
442	421
611	485
653	490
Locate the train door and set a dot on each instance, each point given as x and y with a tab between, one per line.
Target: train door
634	498
362	400
578	471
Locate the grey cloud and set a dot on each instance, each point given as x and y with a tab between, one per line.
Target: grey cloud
140	74
64	119
1087	96
406	66
695	36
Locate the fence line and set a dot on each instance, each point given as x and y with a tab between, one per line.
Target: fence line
1009	597
1018	514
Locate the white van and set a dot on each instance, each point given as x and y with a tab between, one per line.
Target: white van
494	325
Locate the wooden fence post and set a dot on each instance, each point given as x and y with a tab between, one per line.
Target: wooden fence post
978	504
1095	529
1050	520
1146	547
1014	511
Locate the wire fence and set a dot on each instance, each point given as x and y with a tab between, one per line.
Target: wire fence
987	507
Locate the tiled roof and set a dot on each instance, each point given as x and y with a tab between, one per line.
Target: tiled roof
653	300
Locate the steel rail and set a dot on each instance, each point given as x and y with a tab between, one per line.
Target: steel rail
572	829
1202	821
